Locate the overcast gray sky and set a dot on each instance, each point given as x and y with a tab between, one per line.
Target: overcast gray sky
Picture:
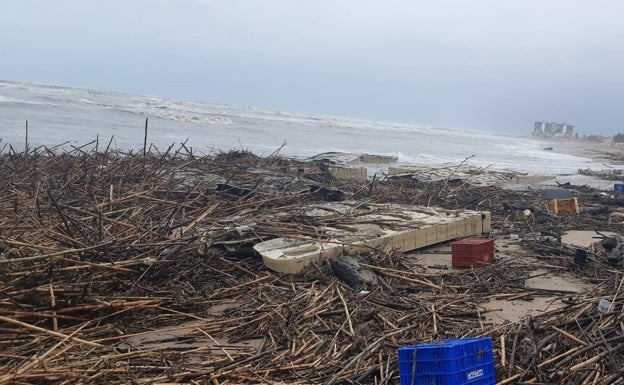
492	65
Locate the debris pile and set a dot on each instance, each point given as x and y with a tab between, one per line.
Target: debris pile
139	268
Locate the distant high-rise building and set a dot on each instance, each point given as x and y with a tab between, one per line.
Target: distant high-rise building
553	129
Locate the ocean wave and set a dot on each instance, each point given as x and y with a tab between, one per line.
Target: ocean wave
81	114
161	108
9	100
154	113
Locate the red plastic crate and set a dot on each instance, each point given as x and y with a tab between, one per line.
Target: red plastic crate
472	252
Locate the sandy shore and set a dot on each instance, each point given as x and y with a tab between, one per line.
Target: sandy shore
139	268
606	152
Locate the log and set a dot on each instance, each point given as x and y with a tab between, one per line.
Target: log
348	270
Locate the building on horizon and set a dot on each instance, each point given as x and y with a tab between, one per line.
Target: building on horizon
553	129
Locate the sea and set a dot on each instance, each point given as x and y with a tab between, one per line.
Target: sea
65	118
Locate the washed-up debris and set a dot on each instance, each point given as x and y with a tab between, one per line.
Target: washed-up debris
462	174
556	193
344	158
353	227
348	269
612	248
122	268
612	174
569	206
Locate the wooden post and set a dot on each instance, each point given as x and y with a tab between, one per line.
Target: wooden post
26	141
145	139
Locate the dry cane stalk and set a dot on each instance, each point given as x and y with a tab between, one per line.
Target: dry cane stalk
53	304
55	254
503	353
35	360
50	332
570	336
346	308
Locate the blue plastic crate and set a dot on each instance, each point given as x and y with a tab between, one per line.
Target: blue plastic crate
618	187
426	369
407	353
480	375
476	350
406	368
447	349
445	379
444	349
452	361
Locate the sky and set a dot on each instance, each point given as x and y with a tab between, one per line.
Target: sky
486	65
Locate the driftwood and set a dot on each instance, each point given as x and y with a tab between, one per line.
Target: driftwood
119	268
614	247
348	269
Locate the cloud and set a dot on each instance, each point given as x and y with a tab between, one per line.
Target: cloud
480	64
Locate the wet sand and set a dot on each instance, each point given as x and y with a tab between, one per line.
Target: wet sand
503	308
605	152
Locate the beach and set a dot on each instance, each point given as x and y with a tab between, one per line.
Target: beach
604	151
298	193
150	240
141	267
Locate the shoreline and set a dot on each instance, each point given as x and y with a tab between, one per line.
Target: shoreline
606	168
598	152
